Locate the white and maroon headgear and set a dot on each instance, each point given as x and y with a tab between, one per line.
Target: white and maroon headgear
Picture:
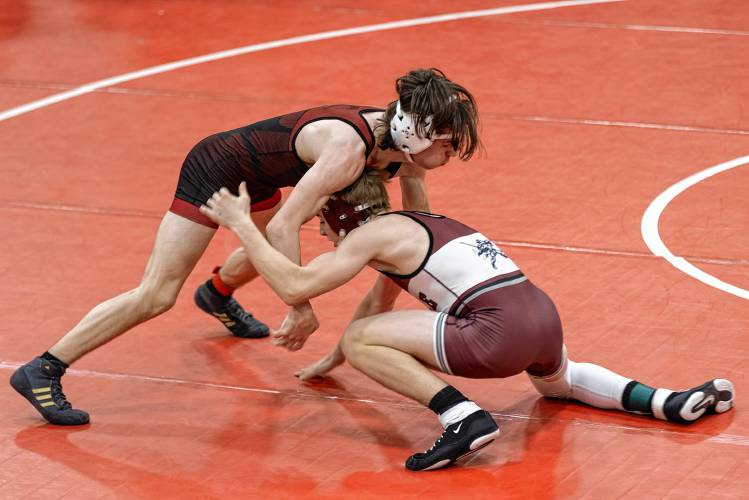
340	214
407	138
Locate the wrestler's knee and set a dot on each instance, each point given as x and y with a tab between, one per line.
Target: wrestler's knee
559	383
354	339
154	300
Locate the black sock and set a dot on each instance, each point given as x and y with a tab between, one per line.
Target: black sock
50	357
446	398
637	397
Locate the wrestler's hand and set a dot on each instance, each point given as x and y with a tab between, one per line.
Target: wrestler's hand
323	366
226	209
299	324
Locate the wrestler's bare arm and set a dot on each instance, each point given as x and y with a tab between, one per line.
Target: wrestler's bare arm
294	284
381	298
413	187
337	154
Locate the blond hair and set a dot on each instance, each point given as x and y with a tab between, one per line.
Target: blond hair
368	189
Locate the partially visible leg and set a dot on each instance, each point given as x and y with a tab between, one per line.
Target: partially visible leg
393	349
215	295
178	246
237	270
602	388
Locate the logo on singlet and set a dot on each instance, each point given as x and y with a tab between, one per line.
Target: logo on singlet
487	249
429	302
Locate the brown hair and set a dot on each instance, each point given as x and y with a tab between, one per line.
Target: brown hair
368	188
428	92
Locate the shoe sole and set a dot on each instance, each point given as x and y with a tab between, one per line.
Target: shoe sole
725	395
476	445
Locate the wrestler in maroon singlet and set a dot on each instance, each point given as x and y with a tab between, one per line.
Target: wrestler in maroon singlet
494	322
262	154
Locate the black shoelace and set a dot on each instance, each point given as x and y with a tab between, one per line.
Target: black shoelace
236	310
58	396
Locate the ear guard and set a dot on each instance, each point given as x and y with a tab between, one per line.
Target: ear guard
340	214
407	138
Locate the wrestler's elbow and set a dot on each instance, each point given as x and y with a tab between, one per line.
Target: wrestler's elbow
279	230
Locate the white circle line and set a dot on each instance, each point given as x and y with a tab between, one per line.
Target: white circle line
325	35
649	227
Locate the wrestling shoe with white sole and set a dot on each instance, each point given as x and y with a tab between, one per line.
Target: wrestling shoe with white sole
459	439
715	396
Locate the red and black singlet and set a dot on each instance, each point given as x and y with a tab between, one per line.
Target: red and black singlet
261	154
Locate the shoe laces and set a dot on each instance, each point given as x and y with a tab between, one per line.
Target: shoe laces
236	310
58	396
439	440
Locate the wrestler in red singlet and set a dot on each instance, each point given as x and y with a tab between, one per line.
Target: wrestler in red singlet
262	154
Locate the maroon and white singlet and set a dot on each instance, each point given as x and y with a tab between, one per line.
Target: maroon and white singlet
493	322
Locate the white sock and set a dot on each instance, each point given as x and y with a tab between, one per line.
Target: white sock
586	382
457	413
659	399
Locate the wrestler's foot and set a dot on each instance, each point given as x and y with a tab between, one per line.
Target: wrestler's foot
459	439
39	382
239	322
715	396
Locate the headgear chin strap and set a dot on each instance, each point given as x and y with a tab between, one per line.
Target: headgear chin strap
406	137
340	214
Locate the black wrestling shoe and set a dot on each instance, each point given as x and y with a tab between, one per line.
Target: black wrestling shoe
239	322
39	382
459	439
715	396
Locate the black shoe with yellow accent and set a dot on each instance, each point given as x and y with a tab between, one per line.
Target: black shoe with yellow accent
459	439
227	310
39	382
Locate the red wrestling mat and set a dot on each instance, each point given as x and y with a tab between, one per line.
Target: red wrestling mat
589	112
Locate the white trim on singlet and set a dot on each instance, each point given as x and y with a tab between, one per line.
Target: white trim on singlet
483	290
439	343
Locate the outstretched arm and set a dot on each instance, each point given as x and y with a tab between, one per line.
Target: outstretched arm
338	155
381	297
293	283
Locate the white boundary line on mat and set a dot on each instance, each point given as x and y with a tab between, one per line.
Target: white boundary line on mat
729	439
649	227
258	47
